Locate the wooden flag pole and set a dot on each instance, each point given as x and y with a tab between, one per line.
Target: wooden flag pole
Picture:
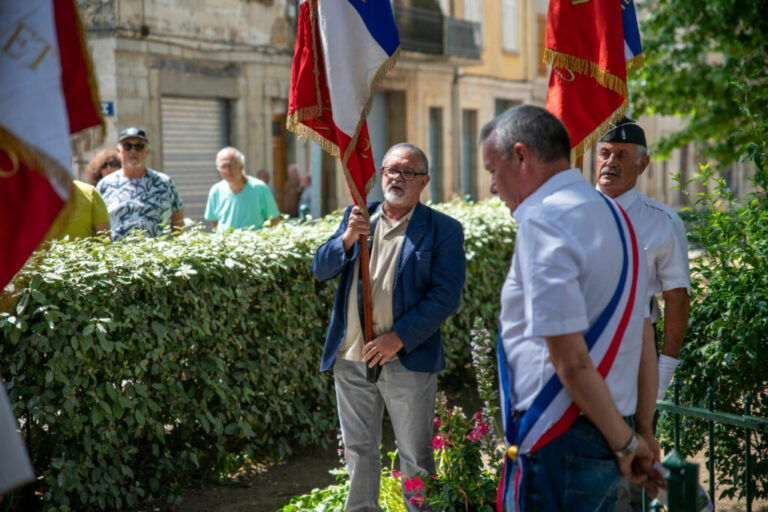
372	374
367	308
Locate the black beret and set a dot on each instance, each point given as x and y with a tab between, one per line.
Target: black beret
625	130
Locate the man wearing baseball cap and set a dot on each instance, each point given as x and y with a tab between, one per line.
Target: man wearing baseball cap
139	198
622	156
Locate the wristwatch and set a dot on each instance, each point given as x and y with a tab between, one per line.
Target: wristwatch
631	447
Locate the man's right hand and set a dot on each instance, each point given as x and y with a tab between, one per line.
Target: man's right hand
356	226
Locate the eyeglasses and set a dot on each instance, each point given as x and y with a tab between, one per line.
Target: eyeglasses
407	175
112	163
129	146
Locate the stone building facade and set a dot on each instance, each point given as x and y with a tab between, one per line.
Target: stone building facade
202	74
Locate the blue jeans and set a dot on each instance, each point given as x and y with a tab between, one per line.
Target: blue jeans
577	472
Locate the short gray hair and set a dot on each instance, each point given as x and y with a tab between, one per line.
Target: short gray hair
423	160
543	133
641	152
233	150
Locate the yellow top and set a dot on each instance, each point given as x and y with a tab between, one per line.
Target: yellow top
89	211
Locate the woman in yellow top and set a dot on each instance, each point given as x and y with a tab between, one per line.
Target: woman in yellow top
90	216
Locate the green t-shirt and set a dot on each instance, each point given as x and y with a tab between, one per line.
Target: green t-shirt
89	211
250	208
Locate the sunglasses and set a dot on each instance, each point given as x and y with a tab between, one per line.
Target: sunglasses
129	146
112	163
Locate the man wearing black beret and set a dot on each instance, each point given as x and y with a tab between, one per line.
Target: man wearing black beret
622	156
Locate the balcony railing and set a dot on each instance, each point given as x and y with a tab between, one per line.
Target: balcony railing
427	31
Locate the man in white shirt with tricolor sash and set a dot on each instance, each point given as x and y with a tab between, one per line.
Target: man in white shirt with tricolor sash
570	340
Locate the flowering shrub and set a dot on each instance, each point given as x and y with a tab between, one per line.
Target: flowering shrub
467	454
466	450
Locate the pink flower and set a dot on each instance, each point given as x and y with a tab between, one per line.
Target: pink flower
416	498
437	422
478	416
413	484
396	473
478	432
437	442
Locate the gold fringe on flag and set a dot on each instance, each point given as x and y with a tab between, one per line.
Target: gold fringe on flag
588	68
293	123
635	62
591	139
607	80
92	137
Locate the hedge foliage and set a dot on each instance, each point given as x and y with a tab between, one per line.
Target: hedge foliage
137	368
725	345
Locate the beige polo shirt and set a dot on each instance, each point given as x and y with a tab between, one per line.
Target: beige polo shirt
387	240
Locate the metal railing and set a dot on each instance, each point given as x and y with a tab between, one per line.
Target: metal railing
428	31
747	422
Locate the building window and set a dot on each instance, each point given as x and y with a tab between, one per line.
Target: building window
435	152
473	11
194	130
541	42
510	26
502	104
469	153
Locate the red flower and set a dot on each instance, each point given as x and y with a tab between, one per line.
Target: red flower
437	422
437	442
396	474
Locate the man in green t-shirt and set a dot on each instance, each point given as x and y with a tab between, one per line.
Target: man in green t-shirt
239	201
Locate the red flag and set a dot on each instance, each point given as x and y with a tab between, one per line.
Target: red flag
343	48
588	84
47	93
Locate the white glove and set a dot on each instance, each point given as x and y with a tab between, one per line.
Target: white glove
667	367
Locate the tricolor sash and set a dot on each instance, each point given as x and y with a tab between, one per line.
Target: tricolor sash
553	411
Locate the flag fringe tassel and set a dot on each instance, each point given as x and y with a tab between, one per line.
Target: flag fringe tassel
607	80
635	62
294	123
591	139
587	67
90	138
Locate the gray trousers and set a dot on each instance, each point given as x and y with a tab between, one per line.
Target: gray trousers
410	399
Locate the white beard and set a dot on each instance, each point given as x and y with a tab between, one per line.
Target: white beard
394	196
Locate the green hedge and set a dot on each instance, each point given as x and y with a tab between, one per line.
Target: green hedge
137	368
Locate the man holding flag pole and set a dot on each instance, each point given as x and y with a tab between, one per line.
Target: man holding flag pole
415	275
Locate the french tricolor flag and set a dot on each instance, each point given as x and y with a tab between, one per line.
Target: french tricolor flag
343	49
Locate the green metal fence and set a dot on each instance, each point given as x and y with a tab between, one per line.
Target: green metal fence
677	497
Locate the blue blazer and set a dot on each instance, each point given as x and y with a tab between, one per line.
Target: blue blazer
431	269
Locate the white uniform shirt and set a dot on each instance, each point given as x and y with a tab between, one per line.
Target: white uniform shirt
565	267
662	234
